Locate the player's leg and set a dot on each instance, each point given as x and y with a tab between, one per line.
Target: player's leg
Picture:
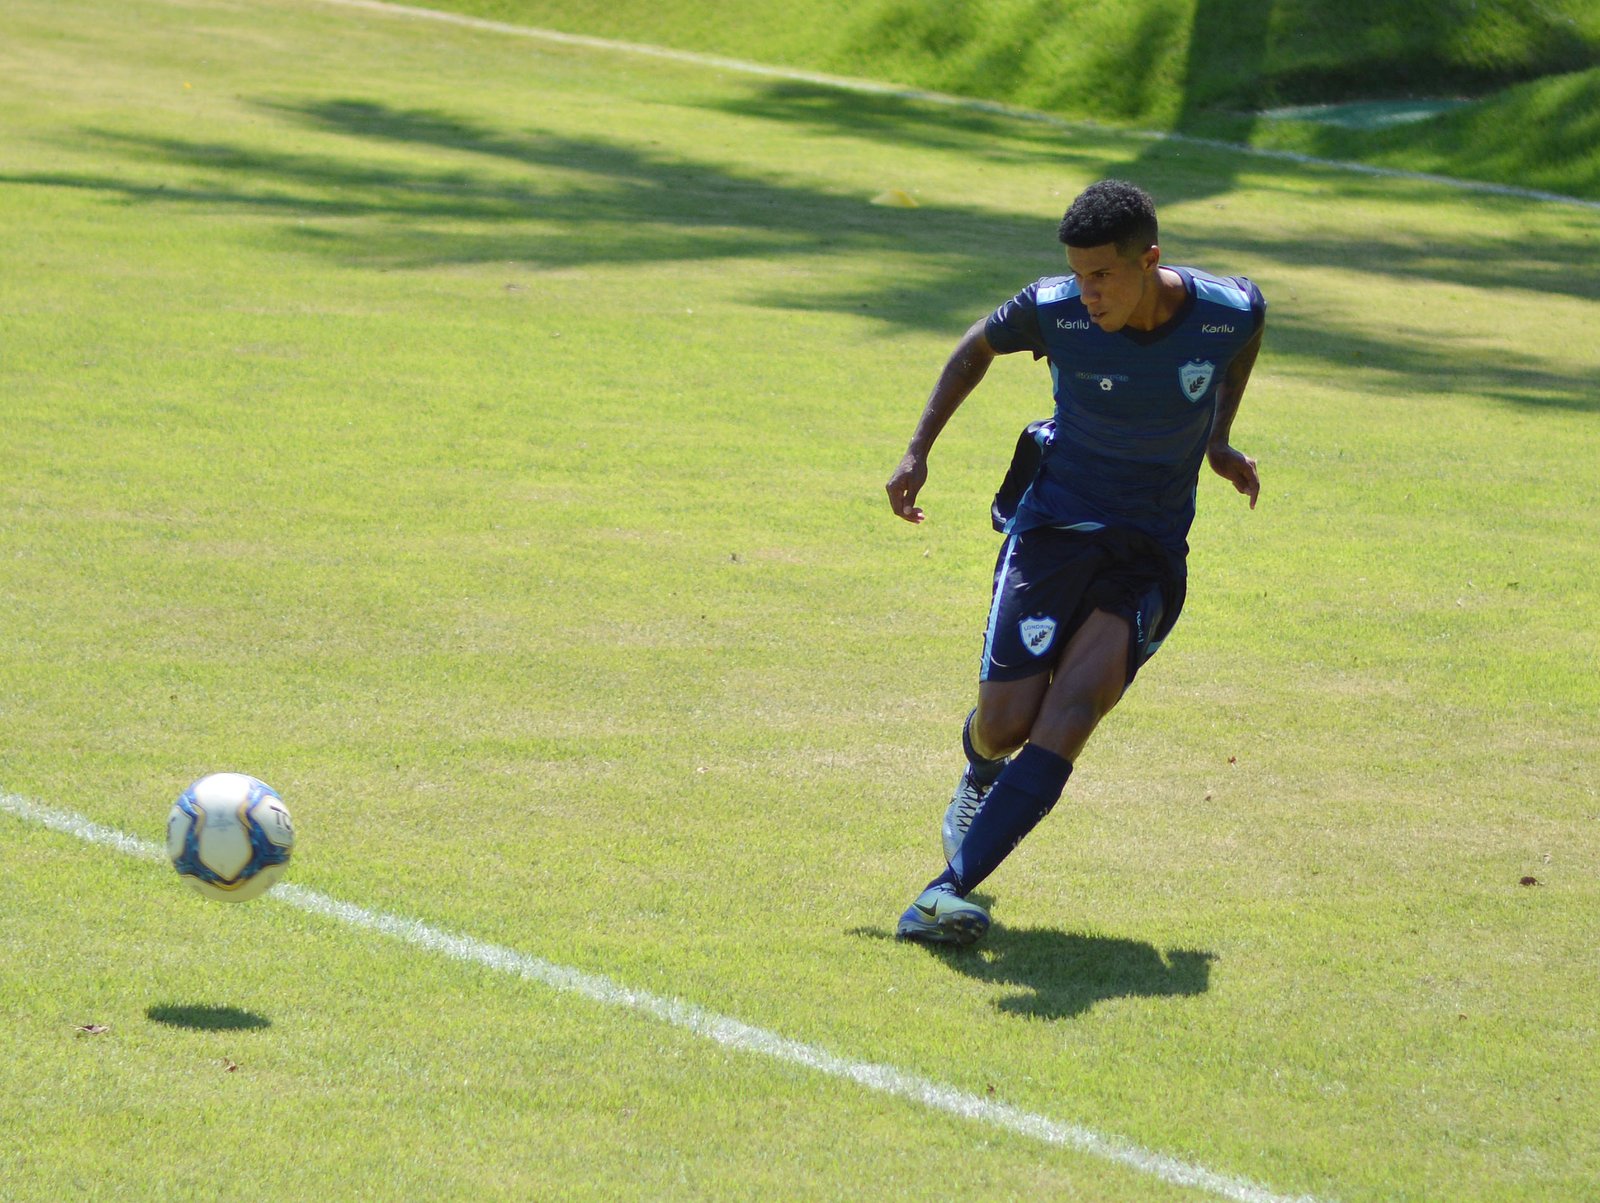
1101	657
1005	714
995	729
1023	792
1040	582
1089	681
1039	577
1013	676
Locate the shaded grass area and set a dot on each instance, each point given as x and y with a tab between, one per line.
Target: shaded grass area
1198	66
1155	58
1543	134
556	202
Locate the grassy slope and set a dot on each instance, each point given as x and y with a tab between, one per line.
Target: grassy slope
596	639
1544	134
1193	65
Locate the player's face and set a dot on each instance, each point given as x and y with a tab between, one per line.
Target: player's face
1114	288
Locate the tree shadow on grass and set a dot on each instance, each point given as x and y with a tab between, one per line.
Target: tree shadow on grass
485	194
977	130
205	1018
553	201
1064	974
1175	171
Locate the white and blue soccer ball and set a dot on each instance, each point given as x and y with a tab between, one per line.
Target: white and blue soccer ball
229	836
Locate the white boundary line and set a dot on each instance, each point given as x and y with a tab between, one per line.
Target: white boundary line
720	1029
871	87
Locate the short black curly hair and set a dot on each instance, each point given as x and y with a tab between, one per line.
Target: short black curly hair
1113	211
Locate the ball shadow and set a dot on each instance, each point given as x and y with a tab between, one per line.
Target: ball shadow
202	1018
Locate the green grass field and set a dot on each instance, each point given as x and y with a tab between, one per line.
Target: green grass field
1529	71
483	442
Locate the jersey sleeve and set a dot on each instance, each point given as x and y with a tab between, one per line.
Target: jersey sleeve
1258	303
1015	325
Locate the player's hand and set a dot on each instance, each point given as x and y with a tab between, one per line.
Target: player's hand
1237	467
904	486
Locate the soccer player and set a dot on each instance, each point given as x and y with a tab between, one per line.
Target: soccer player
1149	363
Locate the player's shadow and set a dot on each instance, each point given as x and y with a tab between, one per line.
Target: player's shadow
1066	973
203	1018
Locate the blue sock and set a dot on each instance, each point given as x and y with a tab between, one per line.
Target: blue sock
984	771
1025	792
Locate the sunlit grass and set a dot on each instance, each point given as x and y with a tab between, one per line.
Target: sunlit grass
484	444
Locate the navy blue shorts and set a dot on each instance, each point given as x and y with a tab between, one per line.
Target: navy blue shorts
1048	581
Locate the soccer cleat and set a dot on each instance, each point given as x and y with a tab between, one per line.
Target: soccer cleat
964	806
940	916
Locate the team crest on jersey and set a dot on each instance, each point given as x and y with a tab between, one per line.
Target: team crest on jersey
1038	634
1195	376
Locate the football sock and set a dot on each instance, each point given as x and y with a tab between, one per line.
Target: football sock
1024	793
984	771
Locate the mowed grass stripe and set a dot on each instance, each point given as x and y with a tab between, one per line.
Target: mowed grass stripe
874	88
721	1029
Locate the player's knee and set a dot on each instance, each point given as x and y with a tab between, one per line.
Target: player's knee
1000	731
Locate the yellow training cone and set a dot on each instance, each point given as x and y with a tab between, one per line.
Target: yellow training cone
895	198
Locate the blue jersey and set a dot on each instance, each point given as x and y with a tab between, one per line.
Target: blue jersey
1134	409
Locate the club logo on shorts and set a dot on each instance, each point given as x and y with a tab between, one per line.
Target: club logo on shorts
1195	376
1038	634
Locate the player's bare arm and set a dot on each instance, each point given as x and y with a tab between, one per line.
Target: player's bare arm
1225	460
962	372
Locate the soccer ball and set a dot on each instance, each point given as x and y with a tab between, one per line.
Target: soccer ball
229	836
